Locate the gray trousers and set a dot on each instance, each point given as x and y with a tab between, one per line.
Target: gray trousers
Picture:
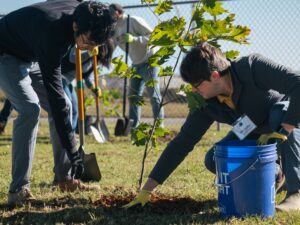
288	151
23	85
137	86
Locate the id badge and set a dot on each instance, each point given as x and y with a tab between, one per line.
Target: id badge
243	126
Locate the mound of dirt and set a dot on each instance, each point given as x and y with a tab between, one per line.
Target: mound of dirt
159	204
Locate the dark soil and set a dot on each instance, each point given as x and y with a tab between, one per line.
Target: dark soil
159	204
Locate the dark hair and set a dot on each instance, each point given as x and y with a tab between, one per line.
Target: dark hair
117	7
105	52
200	61
95	18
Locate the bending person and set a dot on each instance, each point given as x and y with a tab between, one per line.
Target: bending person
265	91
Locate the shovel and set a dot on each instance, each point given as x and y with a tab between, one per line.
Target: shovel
99	128
91	168
124	125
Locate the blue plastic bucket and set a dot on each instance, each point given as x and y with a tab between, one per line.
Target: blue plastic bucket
245	178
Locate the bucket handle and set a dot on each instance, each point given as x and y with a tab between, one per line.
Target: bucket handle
246	168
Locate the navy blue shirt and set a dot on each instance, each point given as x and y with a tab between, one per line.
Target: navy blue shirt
43	33
258	83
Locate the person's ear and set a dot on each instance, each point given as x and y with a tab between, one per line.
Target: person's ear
215	75
75	28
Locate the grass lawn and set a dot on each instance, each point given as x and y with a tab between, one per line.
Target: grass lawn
187	197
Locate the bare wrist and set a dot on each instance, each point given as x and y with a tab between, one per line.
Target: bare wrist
150	185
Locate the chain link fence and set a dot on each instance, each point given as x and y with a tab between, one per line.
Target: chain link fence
274	34
274	28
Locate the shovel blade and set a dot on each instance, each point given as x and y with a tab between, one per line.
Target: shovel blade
123	126
91	168
97	134
104	129
128	126
120	127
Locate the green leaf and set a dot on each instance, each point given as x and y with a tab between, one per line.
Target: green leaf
209	3
160	132
208	28
230	18
168	32
232	54
89	101
114	93
122	70
163	6
183	89
239	33
109	96
147	1
161	56
113	111
140	134
109	100
214	9
197	16
188	41
137	100
154	142
120	65
151	83
168	71
139	138
195	101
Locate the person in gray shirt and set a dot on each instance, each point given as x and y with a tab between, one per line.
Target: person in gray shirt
137	39
251	85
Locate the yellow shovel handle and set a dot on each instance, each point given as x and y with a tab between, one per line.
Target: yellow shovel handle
96	78
79	85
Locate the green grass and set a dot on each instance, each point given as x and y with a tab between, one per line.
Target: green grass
190	186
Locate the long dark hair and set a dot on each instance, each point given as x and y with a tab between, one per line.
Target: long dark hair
105	53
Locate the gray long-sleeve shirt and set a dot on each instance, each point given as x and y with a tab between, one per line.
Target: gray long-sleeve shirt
138	49
258	83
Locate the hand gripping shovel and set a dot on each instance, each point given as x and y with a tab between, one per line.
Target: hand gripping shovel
91	168
124	125
99	128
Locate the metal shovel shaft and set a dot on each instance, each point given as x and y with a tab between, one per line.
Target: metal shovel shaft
95	127
96	85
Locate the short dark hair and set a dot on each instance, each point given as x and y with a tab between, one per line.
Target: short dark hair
200	61
117	7
96	18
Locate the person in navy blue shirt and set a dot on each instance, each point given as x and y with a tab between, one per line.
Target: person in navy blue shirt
38	36
267	92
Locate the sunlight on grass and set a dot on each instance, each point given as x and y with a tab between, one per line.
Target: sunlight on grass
191	187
